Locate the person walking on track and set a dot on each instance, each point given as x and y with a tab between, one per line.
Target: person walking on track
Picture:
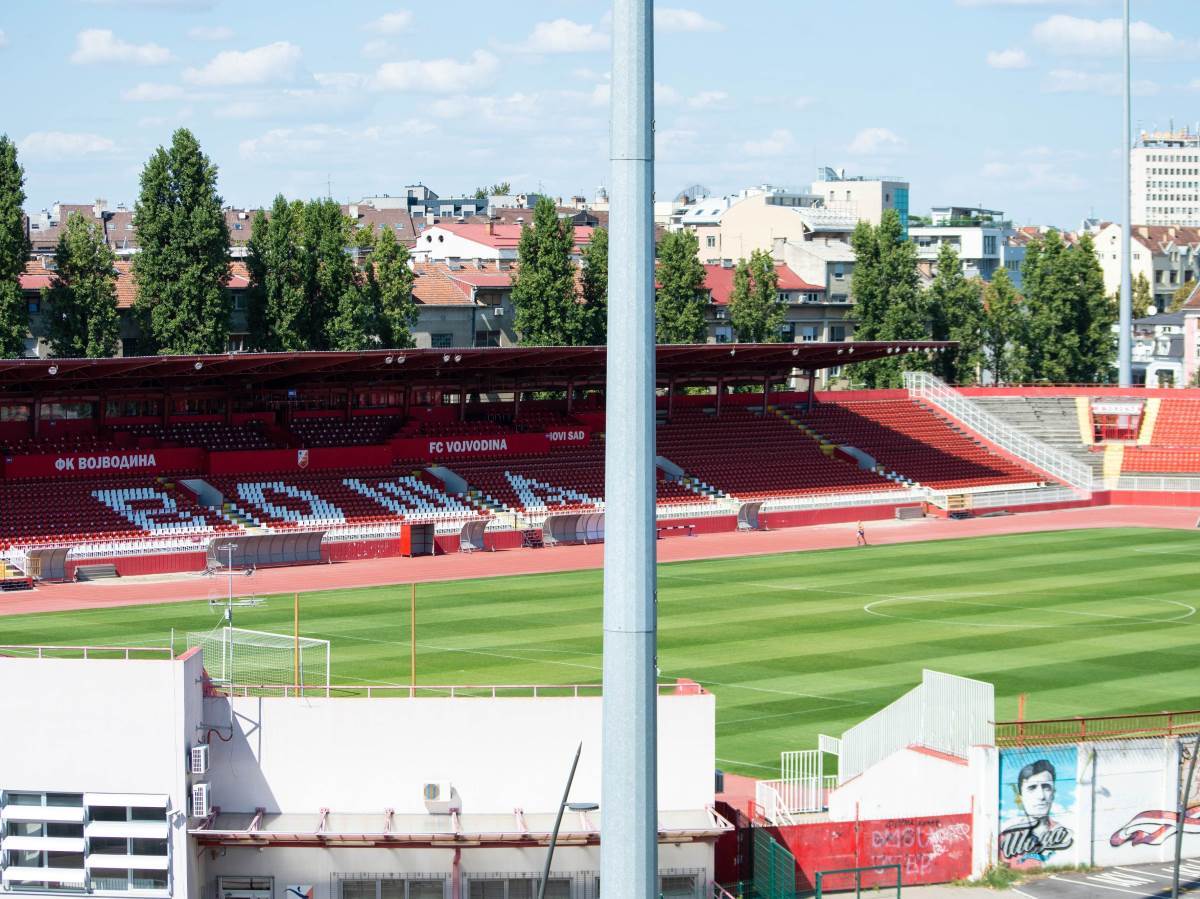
861	535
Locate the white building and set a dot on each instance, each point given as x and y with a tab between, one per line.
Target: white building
1165	178
435	797
489	241
980	237
1168	258
862	197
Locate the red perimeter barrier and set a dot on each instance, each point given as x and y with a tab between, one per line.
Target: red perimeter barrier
294	460
102	464
928	850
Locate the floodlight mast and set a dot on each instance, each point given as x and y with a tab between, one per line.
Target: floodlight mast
1125	304
629	828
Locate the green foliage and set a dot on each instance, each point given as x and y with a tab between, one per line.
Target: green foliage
680	298
955	307
278	309
887	296
543	291
342	316
500	189
14	250
82	301
1002	328
1068	335
392	277
183	266
754	308
1181	295
1142	296
591	316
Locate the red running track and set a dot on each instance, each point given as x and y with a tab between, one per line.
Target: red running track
384	572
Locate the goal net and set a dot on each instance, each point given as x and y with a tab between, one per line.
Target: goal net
235	655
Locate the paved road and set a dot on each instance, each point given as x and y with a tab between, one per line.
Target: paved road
1147	881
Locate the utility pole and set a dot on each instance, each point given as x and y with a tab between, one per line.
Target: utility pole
629	828
1125	309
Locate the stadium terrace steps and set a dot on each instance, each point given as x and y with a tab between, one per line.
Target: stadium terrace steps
914	443
1050	419
1149	420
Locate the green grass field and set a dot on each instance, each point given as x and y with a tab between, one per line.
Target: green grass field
1084	622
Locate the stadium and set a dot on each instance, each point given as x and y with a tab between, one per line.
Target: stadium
286	593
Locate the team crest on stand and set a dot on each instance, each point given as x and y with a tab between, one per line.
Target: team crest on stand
302	458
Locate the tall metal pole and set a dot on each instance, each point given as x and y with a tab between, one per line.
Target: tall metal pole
558	823
629	828
1180	823
1125	310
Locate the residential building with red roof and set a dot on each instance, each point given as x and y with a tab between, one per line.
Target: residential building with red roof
489	241
1167	256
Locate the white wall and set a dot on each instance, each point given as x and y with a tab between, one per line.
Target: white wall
360	755
906	784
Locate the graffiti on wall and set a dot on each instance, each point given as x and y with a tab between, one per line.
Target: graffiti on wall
1153	827
1037	805
921	847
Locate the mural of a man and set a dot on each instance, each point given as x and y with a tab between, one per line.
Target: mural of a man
1033	838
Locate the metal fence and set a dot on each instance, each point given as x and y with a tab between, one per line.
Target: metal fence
945	712
923	386
1156	484
1041	731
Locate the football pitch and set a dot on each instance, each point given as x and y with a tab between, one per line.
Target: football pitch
1084	622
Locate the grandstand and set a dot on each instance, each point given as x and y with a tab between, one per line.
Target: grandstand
129	459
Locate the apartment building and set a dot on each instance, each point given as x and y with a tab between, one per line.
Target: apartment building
1167	256
863	197
1165	178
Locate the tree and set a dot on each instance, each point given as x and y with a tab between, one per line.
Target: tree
680	299
499	189
1002	328
543	290
754	307
392	276
1142	297
340	313
887	298
183	266
1182	294
591	316
14	250
278	309
956	313
82	299
1068	329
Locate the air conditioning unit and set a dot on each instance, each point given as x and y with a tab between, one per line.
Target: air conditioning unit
200	801
441	798
499	312
198	760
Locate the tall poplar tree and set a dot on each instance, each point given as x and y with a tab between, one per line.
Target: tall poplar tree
680	298
14	251
543	290
1094	315
81	302
278	310
392	278
1002	328
183	265
591	316
340	313
754	307
955	307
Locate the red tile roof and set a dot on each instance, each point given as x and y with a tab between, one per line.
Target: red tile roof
501	236
434	286
37	276
719	281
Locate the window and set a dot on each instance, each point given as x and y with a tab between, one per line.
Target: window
711	241
487	338
723	334
837	333
810	333
35	305
839	271
441	341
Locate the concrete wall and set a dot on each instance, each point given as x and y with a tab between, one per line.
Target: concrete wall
359	755
907	784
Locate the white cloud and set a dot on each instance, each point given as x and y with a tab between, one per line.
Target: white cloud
776	144
675	19
392	22
665	95
146	92
1025	2
1072	81
1195	85
100	45
64	144
564	36
3	38
877	142
210	33
290	144
439	76
707	100
602	94
262	65
1008	59
1048	170
1070	35
377	48
341	80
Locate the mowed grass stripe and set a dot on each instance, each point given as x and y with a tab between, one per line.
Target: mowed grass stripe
784	640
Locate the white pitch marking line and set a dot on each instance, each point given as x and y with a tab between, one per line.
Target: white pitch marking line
748	764
1097	886
870	610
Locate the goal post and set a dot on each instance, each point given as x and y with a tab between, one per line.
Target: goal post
236	655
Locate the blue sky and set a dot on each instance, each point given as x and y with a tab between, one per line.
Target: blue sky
1010	103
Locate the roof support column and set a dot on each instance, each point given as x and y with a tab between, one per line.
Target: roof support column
462	402
629	828
670	398
516	401
720	393
36	415
766	394
812	388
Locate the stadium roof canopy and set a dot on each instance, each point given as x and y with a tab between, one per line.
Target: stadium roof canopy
492	368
